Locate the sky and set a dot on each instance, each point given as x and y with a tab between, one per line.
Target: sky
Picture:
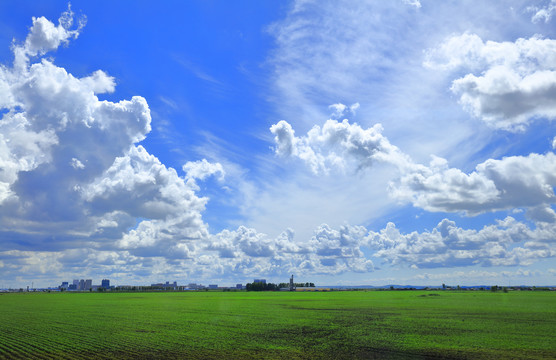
347	143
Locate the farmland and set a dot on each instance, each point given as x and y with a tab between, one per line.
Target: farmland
352	324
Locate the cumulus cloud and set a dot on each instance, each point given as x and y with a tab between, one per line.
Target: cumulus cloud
348	248
341	110
511	83
200	170
338	145
203	169
329	251
515	181
510	182
508	243
44	36
71	173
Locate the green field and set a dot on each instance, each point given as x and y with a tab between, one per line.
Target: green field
350	324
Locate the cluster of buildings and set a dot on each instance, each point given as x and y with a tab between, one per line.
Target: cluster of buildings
84	285
87	285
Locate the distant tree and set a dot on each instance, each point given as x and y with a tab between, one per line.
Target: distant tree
391	288
259	286
443	286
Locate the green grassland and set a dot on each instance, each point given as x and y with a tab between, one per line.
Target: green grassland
244	325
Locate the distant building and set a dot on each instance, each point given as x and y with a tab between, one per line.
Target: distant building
65	285
88	285
263	281
213	287
81	285
239	286
292	286
166	285
105	284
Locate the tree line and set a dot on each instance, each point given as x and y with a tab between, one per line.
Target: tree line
259	286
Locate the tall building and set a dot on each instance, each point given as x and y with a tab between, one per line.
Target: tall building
81	285
74	285
259	281
105	283
88	284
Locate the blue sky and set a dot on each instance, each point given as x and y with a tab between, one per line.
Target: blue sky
407	142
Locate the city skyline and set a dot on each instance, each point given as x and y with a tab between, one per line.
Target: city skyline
366	143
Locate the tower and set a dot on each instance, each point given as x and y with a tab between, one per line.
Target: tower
292	288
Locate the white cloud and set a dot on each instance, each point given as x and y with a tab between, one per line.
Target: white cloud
200	170
511	182
543	13
246	252
511	83
341	110
44	36
71	174
330	51
415	3
337	145
509	242
76	164
329	251
99	82
515	181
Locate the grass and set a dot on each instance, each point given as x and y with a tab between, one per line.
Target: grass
355	324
